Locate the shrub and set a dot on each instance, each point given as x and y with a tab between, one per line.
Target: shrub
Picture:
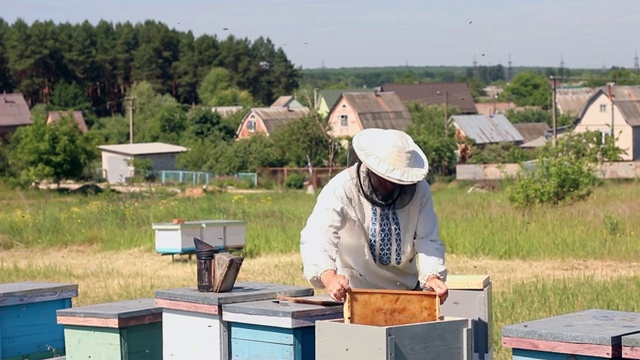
564	173
294	181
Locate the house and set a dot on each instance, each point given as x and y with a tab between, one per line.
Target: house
485	130
533	134
569	101
327	99
266	120
620	118
357	111
116	167
454	94
531	131
14	112
490	108
77	117
287	101
226	111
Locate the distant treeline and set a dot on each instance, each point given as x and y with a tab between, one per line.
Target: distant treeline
106	59
486	75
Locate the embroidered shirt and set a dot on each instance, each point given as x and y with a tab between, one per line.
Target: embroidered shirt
384	248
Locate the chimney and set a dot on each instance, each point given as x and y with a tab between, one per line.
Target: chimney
376	92
288	107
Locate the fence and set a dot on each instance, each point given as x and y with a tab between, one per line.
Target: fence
276	177
490	172
195	177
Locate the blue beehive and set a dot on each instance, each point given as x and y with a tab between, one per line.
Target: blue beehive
28	326
274	329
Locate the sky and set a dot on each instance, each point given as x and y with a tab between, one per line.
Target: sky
365	33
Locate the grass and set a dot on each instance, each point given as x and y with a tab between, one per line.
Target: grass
544	262
472	224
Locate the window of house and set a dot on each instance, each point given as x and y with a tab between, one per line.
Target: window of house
603	107
251	125
344	120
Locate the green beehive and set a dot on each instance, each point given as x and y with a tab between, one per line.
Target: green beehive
129	330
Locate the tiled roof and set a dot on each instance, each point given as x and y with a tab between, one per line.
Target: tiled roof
459	94
14	110
379	110
274	117
77	117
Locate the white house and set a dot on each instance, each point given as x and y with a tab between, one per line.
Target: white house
623	114
116	159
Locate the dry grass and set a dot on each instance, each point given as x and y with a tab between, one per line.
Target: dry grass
104	276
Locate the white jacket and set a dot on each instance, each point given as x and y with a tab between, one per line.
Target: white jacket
336	237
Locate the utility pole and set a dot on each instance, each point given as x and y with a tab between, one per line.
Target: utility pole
130	98
612	105
446	111
554	112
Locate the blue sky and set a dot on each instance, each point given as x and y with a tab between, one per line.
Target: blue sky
345	33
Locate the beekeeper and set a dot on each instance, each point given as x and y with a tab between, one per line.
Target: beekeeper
374	225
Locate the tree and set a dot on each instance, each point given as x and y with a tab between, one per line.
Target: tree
428	131
563	173
502	153
299	139
216	90
69	96
56	151
536	116
205	124
527	89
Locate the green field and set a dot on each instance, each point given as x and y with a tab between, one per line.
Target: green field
542	262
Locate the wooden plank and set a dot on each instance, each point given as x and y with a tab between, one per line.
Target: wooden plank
630	352
113	314
594	350
631	346
242	292
542	355
308	300
468	282
110	323
188	306
226	271
31	292
390	307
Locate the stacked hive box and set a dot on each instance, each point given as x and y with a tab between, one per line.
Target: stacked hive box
274	329
590	334
192	322
28	327
130	330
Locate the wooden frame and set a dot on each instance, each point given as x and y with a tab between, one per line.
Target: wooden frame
390	307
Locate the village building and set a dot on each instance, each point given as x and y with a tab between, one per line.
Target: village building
357	111
266	120
117	160
14	112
